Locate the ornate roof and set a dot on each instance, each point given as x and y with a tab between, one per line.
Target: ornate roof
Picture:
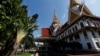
73	2
55	18
77	9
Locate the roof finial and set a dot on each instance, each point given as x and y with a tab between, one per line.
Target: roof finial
55	18
55	15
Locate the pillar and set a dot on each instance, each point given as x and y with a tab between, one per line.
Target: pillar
91	39
83	41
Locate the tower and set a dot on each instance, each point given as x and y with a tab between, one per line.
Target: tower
55	24
55	21
77	9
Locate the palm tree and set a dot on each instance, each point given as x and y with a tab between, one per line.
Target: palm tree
14	25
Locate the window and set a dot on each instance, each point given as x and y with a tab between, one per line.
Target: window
58	38
94	24
68	39
98	44
93	34
81	24
89	46
97	25
64	34
99	33
88	23
77	37
70	30
73	29
76	28
85	35
65	40
71	38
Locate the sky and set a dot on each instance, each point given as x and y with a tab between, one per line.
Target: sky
45	10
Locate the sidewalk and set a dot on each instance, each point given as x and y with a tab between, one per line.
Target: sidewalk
85	55
35	54
60	54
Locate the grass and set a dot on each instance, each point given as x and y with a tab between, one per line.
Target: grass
24	54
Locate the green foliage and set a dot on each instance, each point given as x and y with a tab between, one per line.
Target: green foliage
29	39
14	18
24	54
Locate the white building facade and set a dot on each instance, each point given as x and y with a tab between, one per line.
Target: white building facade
85	30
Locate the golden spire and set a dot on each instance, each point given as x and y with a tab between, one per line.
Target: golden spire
73	2
55	19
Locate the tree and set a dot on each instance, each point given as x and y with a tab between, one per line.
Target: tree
14	25
28	40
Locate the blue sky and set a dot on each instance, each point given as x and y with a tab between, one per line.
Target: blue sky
45	10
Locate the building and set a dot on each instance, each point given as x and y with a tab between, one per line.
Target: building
80	32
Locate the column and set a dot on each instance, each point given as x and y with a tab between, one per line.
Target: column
98	38
83	41
78	26
91	39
